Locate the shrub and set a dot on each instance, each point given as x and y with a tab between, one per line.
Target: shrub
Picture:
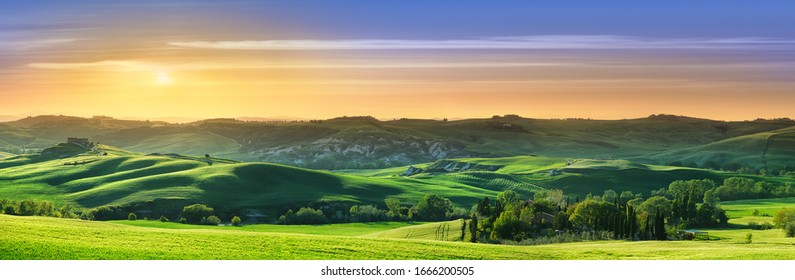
163	219
304	215
9	207
182	220
784	217
132	217
367	213
28	208
68	211
212	220
789	229
45	208
194	213
236	221
749	238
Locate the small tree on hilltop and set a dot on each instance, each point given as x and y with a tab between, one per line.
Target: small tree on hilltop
236	221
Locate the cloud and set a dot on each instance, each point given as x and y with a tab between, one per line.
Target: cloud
107	65
22	45
126	65
521	42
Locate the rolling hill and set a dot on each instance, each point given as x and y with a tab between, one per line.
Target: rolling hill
368	143
109	176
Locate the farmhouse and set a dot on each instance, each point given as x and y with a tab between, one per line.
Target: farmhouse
82	142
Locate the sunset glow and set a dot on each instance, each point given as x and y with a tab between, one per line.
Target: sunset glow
342	58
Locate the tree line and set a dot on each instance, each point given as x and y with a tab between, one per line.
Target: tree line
551	214
431	207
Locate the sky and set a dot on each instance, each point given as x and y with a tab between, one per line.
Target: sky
726	60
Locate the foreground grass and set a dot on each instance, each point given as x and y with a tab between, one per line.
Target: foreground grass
49	238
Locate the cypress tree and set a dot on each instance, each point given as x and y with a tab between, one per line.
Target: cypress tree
659	228
473	230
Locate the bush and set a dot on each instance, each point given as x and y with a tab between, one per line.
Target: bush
163	219
367	213
789	229
236	221
212	220
10	207
784	217
182	221
749	238
68	211
305	215
194	213
28	208
132	217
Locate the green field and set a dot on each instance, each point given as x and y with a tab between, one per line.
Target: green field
50	238
350	229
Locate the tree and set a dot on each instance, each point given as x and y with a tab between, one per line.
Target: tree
626	197
28	208
393	204
659	226
609	196
132	217
68	211
310	216
236	221
10	207
789	229
432	208
509	197
710	198
556	197
194	213
45	208
484	207
783	217
212	220
473	229
655	203
508	226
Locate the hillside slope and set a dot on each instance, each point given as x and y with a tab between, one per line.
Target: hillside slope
368	143
125	178
771	150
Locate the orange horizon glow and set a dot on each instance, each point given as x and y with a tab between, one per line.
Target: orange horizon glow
134	65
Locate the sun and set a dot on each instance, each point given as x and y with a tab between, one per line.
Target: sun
163	79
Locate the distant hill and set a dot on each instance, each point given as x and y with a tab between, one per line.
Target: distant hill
365	142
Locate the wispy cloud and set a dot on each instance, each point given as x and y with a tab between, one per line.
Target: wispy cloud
127	65
522	42
22	45
107	65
